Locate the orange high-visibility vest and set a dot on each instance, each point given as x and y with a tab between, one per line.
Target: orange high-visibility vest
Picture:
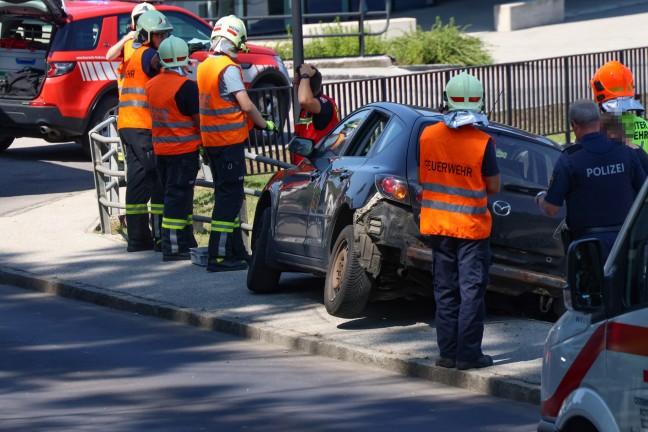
133	106
221	122
454	190
127	51
173	132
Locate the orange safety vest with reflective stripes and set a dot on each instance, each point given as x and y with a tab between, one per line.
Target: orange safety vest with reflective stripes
127	51
133	106
454	190
221	122
173	132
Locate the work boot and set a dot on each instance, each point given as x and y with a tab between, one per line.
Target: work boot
224	265
180	256
445	363
481	362
157	245
139	247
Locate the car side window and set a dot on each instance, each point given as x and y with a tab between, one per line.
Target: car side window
523	162
81	35
338	138
123	25
377	126
636	289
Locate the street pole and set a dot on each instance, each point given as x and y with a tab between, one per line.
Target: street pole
298	49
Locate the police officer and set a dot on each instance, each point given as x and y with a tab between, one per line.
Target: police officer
134	125
318	113
597	177
458	169
614	91
173	101
225	109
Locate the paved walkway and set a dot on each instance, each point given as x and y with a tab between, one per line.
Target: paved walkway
52	248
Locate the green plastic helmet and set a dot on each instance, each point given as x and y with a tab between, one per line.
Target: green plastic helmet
150	22
464	92
139	10
173	52
231	28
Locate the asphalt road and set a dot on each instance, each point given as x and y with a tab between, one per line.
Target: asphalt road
35	171
67	365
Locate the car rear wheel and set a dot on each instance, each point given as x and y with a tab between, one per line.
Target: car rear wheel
5	142
262	278
106	107
347	286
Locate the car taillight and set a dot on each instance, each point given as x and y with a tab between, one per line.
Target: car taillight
394	188
419	195
55	69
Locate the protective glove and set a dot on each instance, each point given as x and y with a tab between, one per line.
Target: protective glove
271	127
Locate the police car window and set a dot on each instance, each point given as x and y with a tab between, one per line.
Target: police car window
195	33
636	289
342	134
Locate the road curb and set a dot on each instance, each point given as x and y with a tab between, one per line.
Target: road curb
485	381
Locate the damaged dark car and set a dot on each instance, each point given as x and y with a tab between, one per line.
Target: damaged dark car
349	212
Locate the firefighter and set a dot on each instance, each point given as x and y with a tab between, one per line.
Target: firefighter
458	169
225	109
614	91
134	125
124	47
173	101
318	112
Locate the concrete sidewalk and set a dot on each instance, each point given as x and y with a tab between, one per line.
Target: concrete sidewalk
52	248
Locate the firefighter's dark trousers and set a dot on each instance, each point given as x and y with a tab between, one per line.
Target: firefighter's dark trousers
178	176
460	280
142	185
227	164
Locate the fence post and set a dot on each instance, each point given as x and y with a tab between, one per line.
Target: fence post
566	96
361	28
509	95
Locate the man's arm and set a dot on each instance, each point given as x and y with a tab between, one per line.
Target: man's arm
305	95
493	184
250	109
116	50
545	206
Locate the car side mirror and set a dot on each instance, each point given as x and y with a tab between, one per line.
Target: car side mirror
585	276
301	146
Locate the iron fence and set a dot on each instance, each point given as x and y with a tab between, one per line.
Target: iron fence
531	95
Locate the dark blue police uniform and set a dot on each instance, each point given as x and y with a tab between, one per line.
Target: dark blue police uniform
598	179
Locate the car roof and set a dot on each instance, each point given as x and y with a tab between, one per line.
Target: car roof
412	111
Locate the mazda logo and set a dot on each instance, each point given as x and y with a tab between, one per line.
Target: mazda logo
501	208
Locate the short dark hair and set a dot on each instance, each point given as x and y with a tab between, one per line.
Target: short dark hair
316	82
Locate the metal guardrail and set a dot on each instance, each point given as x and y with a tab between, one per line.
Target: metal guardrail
108	178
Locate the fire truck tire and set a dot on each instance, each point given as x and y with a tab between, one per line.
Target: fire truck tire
5	142
106	107
347	286
262	278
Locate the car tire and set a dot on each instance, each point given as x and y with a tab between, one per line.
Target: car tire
5	142
347	286
106	107
262	278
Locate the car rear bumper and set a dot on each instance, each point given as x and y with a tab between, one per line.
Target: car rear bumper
20	119
553	284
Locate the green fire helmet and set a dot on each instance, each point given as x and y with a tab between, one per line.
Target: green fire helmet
150	22
173	52
464	92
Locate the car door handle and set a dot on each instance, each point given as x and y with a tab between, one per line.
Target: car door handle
345	174
314	175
